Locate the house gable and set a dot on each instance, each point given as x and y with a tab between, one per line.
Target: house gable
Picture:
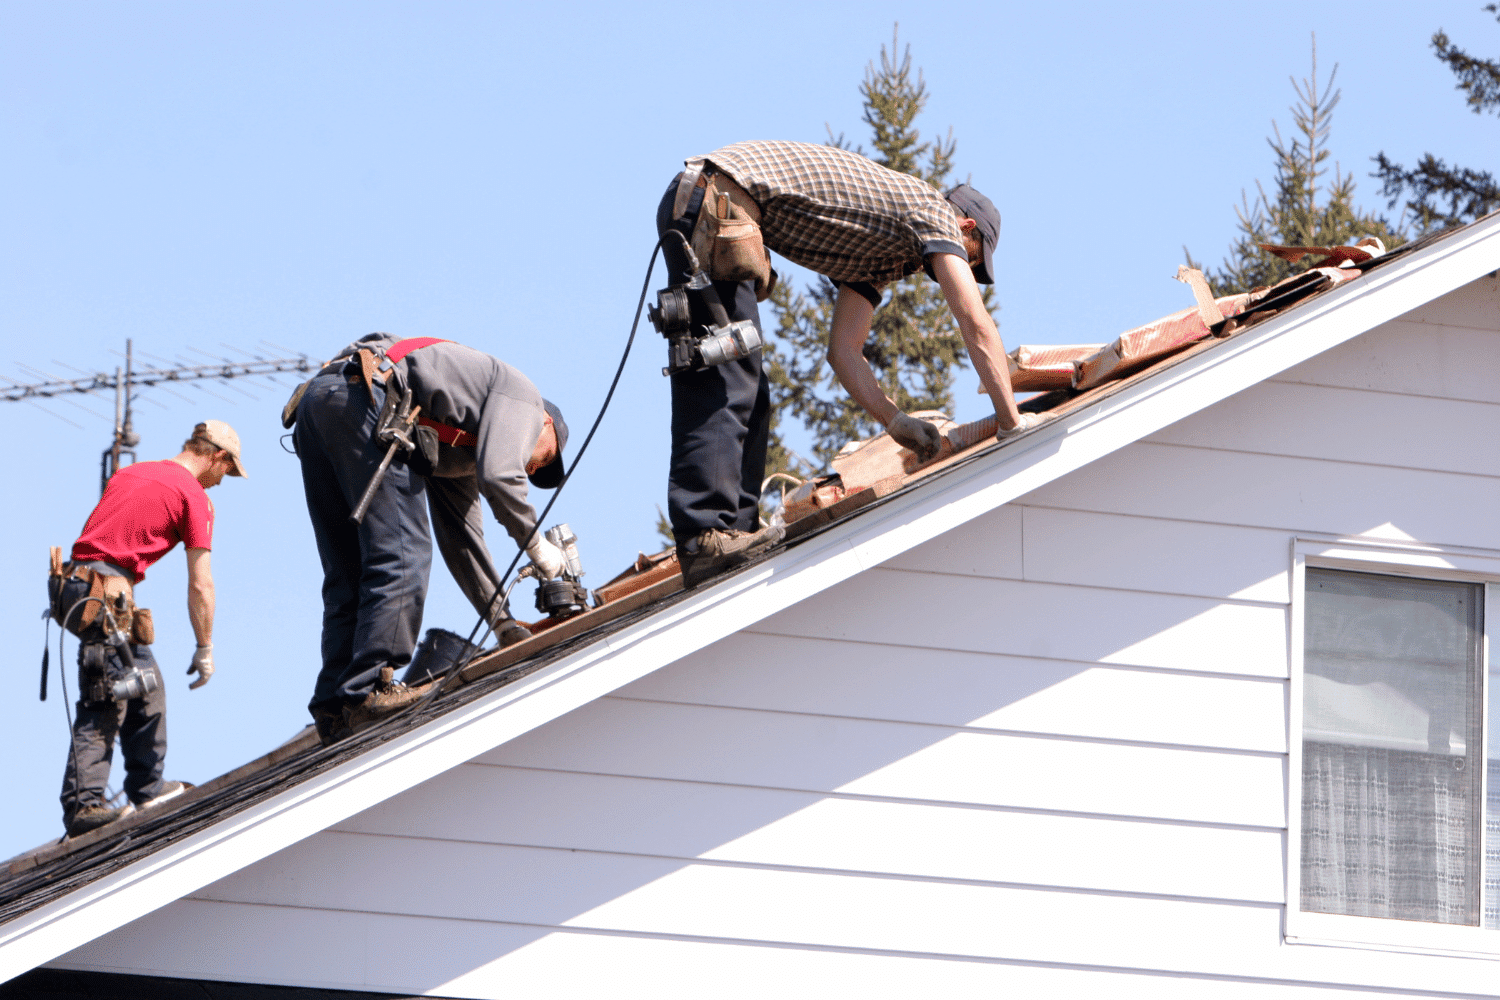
1042	750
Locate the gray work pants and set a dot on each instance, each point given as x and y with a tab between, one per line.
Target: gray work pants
140	725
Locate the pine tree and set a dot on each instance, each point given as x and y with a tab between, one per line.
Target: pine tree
1303	212
914	346
1468	193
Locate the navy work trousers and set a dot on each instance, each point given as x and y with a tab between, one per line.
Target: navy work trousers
140	724
375	572
721	418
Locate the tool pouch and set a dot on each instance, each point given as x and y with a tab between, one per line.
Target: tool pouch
424	460
143	630
101	587
88	610
727	238
289	411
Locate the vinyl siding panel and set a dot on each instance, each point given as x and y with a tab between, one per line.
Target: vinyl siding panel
1156	555
688	820
1311	421
1445	350
977	690
1044	620
920	763
1288	494
865	918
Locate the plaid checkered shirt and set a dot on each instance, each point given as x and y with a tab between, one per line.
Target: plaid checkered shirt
841	214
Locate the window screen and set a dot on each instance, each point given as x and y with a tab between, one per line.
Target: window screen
1392	747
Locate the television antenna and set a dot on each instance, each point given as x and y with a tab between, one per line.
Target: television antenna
166	374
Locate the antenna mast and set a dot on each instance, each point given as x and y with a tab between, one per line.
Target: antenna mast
125	439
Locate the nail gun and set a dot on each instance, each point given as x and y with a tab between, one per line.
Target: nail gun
565	595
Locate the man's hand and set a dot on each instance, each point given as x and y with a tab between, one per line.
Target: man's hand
547	558
203	666
918	435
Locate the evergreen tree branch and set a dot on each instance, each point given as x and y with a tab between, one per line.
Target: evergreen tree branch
1479	79
1444	196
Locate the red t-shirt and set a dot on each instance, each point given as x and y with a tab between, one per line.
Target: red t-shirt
147	508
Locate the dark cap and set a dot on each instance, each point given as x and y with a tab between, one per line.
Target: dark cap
550	476
973	205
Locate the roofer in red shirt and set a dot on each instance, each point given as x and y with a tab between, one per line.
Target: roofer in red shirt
146	509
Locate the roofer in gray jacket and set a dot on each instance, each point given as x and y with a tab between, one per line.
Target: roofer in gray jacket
488	432
862	226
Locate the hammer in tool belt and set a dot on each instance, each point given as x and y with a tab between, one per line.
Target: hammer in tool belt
394	428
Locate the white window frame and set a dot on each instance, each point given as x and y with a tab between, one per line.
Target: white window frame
1427	562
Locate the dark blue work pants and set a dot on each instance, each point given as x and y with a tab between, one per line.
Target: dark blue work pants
140	724
721	418
374	573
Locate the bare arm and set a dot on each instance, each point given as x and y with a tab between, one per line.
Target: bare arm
980	336
201	595
846	341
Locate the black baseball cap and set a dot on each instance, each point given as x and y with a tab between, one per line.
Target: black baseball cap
550	476
979	208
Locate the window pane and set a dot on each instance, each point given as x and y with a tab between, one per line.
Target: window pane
1391	747
1492	807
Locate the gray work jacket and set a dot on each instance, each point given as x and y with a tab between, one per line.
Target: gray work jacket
470	390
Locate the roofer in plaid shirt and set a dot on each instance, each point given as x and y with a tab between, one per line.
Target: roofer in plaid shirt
862	225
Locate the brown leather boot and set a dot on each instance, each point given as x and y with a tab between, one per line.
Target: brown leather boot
389	697
718	550
93	817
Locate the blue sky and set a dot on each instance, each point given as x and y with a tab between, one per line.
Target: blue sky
201	175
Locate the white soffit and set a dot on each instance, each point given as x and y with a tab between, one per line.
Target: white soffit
873	536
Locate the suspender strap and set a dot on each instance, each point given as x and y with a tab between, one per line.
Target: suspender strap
446	433
402	348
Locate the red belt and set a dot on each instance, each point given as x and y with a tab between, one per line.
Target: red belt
448	434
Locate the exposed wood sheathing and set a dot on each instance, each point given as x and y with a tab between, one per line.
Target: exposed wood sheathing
1043	369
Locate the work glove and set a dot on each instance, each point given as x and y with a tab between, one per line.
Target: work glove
546	557
917	435
1028	421
203	666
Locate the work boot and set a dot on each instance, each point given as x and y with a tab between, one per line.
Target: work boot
93	817
715	551
330	724
389	697
169	790
511	632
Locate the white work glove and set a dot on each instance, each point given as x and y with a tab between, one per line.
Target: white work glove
546	557
203	666
917	435
1028	421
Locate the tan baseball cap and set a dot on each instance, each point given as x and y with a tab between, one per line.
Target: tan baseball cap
222	436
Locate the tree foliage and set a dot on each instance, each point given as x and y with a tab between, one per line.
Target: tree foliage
1303	211
914	346
1442	196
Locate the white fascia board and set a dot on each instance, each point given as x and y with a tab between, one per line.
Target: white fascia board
876	535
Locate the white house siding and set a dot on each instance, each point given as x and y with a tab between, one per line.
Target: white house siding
1043	754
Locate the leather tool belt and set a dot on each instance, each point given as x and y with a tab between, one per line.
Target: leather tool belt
724	223
366	370
370	374
119	591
